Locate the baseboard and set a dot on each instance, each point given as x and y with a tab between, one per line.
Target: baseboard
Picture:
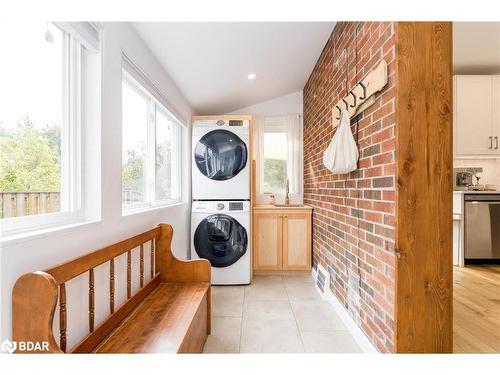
361	339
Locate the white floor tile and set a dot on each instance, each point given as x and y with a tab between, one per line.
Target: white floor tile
298	279
227	301
300	291
266	288
329	342
225	336
278	310
270	336
316	315
276	314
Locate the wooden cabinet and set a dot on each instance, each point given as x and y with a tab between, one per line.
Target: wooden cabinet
476	115
268	240
282	239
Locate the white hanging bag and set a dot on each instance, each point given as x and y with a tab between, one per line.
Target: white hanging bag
342	154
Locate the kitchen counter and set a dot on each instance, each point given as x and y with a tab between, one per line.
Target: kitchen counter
273	207
476	191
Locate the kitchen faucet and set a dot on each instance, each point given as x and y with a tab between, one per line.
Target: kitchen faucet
287	198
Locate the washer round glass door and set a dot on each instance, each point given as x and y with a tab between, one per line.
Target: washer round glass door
220	155
220	239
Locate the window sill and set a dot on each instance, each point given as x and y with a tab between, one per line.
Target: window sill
143	209
32	235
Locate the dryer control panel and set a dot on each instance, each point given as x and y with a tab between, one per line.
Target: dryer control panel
234	123
221	206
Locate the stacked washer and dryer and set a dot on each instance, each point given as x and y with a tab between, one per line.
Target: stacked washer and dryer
221	213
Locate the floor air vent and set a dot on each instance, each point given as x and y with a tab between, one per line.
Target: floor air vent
322	280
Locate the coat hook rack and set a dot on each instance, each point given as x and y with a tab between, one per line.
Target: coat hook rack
364	90
340	111
354	98
361	96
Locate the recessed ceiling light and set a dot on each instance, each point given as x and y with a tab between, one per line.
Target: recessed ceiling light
252	76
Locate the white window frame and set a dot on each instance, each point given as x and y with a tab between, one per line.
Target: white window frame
150	200
274	129
71	159
291	124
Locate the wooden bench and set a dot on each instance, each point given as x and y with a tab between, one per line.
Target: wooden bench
168	314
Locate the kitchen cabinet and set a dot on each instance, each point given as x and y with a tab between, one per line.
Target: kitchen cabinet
282	238
476	115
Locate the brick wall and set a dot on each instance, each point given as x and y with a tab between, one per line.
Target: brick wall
354	214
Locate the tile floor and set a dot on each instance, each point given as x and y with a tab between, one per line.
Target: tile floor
276	314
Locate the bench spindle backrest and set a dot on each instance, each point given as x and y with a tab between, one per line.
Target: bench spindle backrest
36	294
69	270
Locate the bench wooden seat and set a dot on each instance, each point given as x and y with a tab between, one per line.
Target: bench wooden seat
160	323
170	313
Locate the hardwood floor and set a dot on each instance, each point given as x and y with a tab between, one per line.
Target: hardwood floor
476	309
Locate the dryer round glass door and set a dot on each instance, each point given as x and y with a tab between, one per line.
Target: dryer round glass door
220	239
220	155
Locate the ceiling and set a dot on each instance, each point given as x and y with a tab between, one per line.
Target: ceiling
476	47
210	62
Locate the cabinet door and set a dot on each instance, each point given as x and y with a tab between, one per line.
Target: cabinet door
297	240
267	243
496	114
473	115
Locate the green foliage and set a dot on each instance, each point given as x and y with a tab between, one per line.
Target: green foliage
133	172
30	158
274	175
163	171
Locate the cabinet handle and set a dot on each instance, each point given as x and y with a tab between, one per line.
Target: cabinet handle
496	143
491	142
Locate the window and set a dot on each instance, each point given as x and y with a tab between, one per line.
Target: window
279	156
275	161
151	139
40	127
135	144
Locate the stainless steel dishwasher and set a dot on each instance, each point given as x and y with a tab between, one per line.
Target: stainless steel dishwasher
482	228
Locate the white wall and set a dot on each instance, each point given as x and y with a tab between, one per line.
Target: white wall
282	105
43	251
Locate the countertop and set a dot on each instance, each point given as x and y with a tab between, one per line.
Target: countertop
272	207
476	191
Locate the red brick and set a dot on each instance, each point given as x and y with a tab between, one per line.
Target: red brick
354	215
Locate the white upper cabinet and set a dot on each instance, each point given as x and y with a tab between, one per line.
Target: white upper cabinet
476	116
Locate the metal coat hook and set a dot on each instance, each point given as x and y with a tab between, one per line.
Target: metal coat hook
340	112
354	96
364	90
373	82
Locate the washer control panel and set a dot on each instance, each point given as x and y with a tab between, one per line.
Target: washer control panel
220	206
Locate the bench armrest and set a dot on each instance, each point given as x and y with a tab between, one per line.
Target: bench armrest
34	299
175	270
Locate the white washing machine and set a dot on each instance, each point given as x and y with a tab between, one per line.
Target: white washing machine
220	163
220	232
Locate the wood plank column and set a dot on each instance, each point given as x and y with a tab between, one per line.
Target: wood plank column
423	298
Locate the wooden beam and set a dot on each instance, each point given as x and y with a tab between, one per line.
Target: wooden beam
424	187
